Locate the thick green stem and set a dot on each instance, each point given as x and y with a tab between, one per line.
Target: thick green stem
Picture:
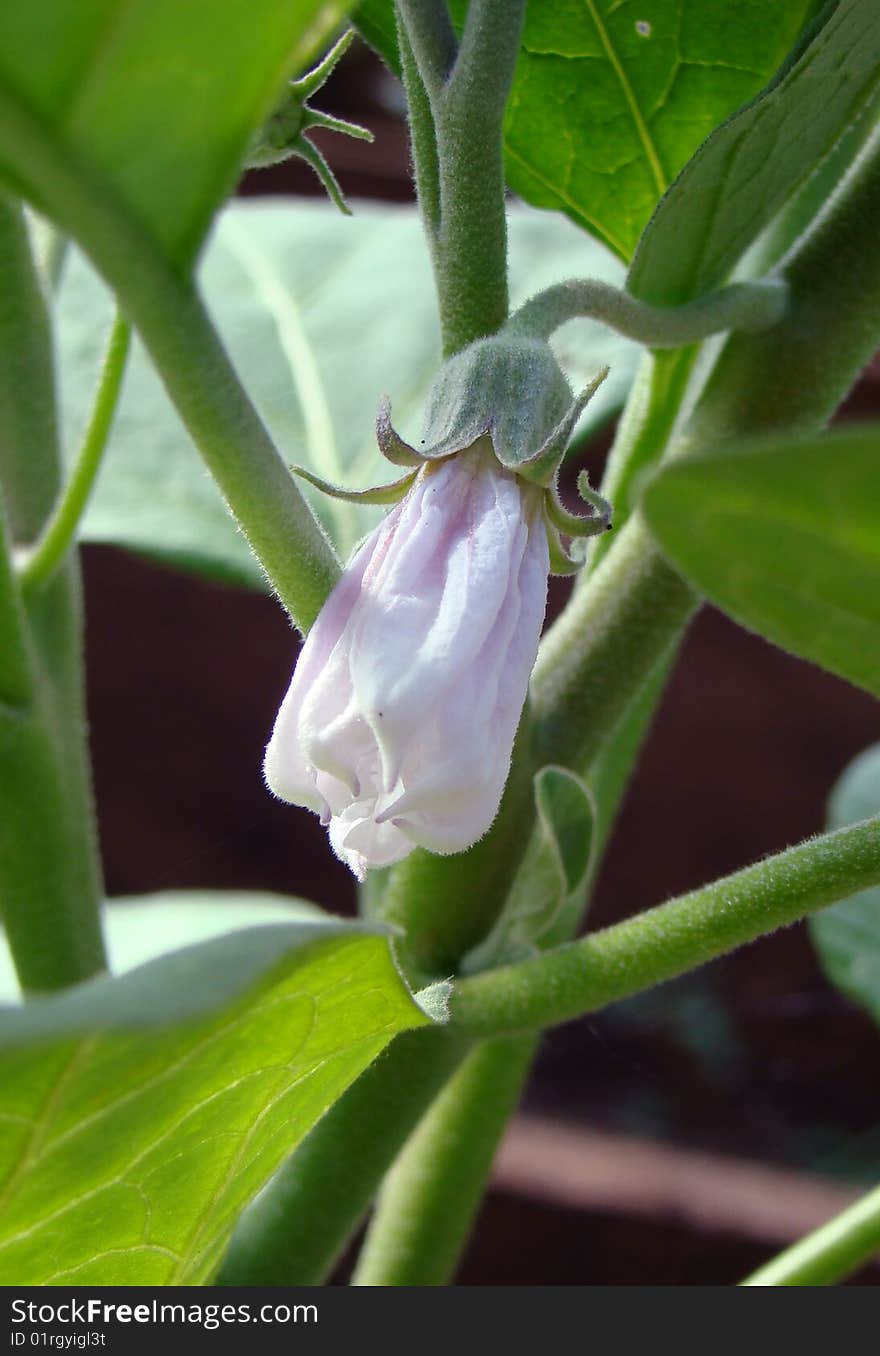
167	311
423	141
15	659
295	1231
431	39
627	612
445	905
432	1194
50	882
457	132
59	534
667	941
830	1253
613	633
280	527
29	462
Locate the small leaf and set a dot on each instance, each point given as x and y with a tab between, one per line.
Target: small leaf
847	936
550	879
785	536
744	173
323	316
126	1155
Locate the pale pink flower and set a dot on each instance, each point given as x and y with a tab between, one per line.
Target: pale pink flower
399	722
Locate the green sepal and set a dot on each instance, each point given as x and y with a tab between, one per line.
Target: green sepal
376	494
573	524
507	387
308	151
312	118
542	466
283	134
391	445
562	562
317	77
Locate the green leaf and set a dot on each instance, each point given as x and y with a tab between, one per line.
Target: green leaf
553	871
785	536
151	102
139	928
611	99
847	936
323	315
745	172
126	1155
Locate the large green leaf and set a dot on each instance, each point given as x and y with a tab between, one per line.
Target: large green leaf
150	102
612	97
323	315
785	536
127	1154
847	936
745	172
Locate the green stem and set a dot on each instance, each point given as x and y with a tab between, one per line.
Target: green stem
431	1196
29	462
445	905
750	306
642	436
614	632
186	351
466	210
830	1253
15	660
431	39
279	525
675	937
295	1231
632	606
423	141
50	880
59	534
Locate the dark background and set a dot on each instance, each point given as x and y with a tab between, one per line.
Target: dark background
759	1081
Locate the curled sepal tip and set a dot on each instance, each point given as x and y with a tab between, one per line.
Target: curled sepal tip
375	494
576	524
391	445
577	527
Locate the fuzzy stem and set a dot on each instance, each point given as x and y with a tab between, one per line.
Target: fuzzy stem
633	606
431	39
594	660
50	879
457	117
189	357
431	1196
675	937
750	306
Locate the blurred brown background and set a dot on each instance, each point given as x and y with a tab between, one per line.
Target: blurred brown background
677	1139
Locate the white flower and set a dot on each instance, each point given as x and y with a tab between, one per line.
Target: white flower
399	722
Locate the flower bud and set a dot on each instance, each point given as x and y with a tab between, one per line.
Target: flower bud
399	722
